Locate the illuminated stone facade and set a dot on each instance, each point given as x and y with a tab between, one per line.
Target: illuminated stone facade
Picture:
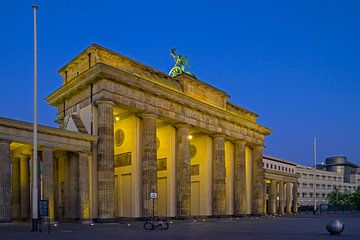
148	132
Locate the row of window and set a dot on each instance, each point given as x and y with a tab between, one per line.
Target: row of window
322	177
311	195
323	186
280	168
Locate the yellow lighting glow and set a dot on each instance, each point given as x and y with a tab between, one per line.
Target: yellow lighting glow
117	119
190	137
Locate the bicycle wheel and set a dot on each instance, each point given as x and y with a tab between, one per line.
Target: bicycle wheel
164	226
148	226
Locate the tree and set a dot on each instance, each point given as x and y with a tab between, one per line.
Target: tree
335	197
355	198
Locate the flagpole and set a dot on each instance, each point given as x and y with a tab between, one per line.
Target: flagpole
35	155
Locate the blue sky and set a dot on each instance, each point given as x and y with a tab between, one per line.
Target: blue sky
295	63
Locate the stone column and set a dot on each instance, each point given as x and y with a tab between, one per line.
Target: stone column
149	161
48	179
64	202
218	177
258	181
5	182
288	197
183	176
84	187
295	198
105	160
15	178
281	197
56	188
25	188
240	206
74	208
272	201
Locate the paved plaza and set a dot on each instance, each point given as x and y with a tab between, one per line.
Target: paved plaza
287	227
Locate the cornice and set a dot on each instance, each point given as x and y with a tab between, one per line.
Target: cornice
103	71
5	122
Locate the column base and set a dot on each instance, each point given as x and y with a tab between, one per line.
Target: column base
185	217
35	225
105	220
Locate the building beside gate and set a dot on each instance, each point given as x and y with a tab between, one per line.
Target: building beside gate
126	130
281	186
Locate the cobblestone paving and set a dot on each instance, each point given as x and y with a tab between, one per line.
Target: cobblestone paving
280	228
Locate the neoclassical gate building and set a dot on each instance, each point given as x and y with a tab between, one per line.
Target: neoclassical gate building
143	131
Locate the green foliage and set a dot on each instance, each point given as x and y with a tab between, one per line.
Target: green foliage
355	197
338	198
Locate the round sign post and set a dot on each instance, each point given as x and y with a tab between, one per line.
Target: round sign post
153	196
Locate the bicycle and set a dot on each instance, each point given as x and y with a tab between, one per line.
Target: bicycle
156	223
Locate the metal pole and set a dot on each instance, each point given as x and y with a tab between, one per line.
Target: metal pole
35	163
314	174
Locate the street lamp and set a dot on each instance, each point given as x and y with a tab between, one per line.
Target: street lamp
314	175
35	162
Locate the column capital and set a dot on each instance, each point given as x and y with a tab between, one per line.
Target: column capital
257	146
181	125
106	102
46	148
5	141
218	135
148	115
239	141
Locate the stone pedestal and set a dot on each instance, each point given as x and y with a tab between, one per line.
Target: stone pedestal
258	181
272	201
24	188
183	176
288	197
105	160
48	179
149	162
218	177
281	197
295	198
240	206
84	201
5	182
15	178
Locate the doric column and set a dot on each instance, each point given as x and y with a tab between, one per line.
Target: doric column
84	187
295	198
183	176
5	182
56	188
240	206
218	176
272	201
149	161
281	197
258	181
48	179
105	160
25	187
288	197
74	208
15	178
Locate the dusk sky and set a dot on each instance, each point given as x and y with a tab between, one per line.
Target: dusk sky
295	63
